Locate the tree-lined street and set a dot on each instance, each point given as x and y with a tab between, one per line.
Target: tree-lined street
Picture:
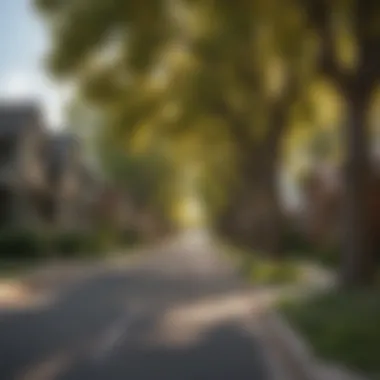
197	130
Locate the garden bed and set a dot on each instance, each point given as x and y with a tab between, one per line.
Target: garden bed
340	328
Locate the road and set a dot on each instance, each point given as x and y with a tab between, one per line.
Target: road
160	317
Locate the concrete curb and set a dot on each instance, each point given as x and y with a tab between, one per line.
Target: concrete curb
287	345
283	347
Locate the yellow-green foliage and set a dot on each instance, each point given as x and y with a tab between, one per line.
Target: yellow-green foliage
271	272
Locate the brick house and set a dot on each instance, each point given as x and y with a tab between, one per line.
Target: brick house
44	181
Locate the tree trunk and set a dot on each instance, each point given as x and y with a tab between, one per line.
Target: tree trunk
259	218
357	257
254	217
260	212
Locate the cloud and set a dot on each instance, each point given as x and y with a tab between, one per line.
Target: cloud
22	85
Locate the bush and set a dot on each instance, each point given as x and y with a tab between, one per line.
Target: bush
296	245
328	256
22	244
260	270
341	327
129	237
28	244
271	272
72	244
296	242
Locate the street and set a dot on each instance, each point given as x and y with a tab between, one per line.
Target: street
156	318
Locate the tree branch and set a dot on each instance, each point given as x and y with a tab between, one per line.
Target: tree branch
368	42
318	14
237	125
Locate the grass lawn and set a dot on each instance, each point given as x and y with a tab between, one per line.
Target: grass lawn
260	270
341	328
267	272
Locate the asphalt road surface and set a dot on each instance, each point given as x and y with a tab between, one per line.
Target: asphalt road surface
159	318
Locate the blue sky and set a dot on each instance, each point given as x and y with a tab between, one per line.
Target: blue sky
23	43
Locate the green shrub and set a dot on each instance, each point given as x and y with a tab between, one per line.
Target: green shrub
68	244
328	255
296	245
22	244
341	327
129	237
261	270
272	272
73	244
28	244
296	242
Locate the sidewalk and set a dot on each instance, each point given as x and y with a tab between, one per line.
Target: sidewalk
288	354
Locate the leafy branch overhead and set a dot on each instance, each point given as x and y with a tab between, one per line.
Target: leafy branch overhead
231	79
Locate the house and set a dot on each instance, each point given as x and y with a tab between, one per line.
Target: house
323	213
23	184
44	180
75	189
115	209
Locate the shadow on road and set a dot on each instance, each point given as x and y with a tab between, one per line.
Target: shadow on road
104	327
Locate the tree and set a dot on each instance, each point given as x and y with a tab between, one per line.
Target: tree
349	56
263	71
176	63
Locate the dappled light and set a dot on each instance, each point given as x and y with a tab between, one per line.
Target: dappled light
214	160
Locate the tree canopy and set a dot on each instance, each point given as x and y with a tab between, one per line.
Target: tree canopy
221	84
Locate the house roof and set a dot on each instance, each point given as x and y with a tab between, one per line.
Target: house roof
16	117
